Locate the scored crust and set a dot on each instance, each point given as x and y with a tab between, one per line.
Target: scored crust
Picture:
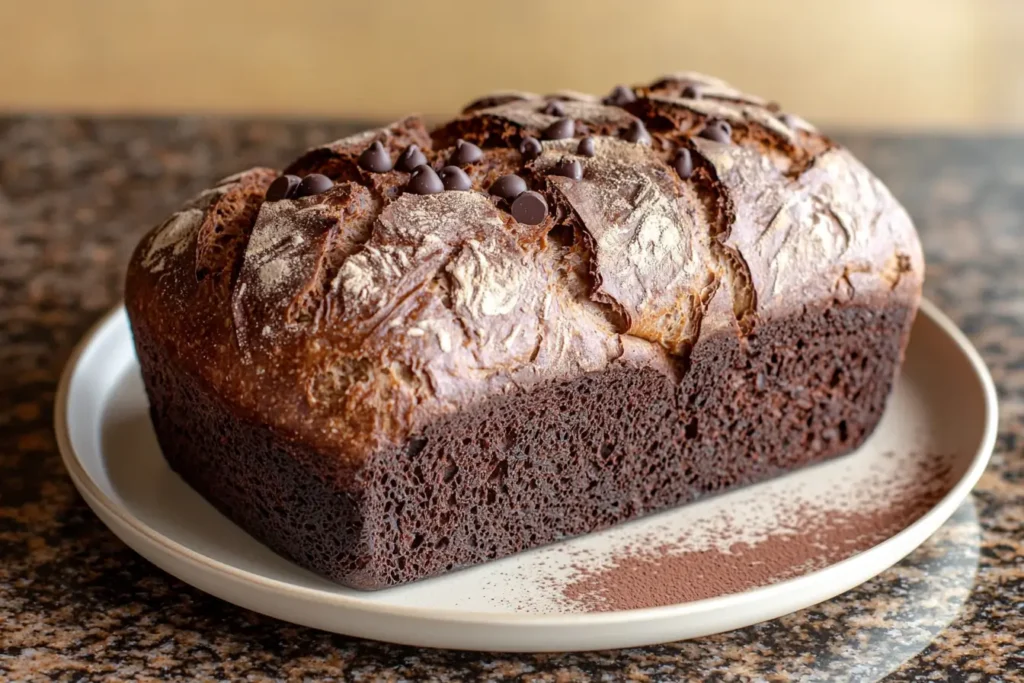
371	311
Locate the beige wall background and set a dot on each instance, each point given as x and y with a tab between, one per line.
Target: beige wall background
946	64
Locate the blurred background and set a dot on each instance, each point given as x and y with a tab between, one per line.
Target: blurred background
893	64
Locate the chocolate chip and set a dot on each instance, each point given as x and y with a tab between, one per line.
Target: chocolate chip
410	158
692	92
508	187
314	183
570	168
283	187
717	130
637	132
683	163
530	148
465	153
375	159
586	147
454	178
560	130
620	95
424	181
554	108
789	121
530	208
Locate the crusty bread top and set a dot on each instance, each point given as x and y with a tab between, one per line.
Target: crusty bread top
351	318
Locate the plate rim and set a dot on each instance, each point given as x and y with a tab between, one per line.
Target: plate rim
896	545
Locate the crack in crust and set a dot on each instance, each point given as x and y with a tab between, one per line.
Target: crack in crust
227	223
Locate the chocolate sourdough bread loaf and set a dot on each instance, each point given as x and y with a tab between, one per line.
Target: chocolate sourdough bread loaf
415	351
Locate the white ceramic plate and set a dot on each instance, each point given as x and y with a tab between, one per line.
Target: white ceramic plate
942	417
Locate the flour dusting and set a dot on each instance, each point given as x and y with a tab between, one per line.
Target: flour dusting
175	234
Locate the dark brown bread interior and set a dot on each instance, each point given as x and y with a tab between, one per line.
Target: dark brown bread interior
354	379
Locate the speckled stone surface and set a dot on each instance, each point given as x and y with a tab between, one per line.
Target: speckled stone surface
76	604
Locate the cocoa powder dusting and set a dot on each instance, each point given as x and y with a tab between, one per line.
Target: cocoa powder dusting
813	536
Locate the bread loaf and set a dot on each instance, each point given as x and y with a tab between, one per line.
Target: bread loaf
416	351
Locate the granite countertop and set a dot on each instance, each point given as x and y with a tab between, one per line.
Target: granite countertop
77	604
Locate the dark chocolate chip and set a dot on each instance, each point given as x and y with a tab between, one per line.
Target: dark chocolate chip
314	183
717	130
637	132
454	178
620	95
283	187
560	130
789	121
375	159
530	208
530	148
410	158
570	168
586	147
554	108
424	181
508	187
465	153
692	92
683	163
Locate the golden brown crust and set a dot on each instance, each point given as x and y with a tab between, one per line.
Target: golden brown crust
354	318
